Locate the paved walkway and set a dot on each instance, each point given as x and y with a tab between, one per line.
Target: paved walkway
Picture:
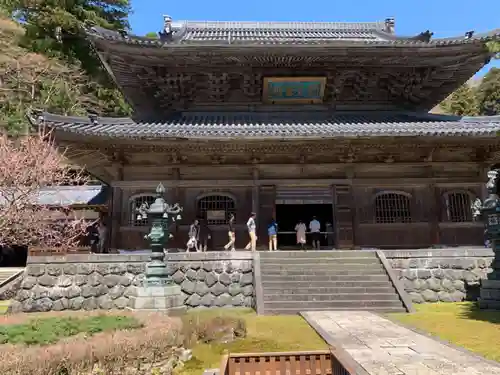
385	348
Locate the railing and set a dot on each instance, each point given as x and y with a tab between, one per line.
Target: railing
322	362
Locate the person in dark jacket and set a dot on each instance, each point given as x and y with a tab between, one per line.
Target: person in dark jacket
272	232
205	235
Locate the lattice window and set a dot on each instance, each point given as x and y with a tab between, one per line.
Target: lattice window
392	208
458	207
139	205
215	209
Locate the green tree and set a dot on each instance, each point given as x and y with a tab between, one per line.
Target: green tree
462	102
47	62
494	47
151	35
57	26
488	93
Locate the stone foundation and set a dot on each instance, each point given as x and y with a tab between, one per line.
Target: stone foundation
88	282
445	275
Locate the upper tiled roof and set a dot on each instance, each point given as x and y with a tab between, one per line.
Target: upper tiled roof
223	33
70	195
279	125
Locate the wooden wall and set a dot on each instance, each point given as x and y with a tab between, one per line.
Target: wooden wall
354	209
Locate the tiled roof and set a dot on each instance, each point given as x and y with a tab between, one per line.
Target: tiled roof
279	125
223	33
70	195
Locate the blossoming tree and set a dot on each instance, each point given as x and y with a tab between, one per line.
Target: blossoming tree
28	164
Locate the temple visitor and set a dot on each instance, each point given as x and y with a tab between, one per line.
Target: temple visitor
272	232
300	230
231	234
315	228
204	235
193	234
251	226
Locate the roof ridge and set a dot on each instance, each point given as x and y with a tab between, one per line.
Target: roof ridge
279	25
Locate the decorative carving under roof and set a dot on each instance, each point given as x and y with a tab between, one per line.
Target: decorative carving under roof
197	63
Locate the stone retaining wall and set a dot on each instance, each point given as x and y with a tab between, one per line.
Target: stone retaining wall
87	282
446	275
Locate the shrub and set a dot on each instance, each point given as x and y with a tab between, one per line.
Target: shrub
220	329
152	349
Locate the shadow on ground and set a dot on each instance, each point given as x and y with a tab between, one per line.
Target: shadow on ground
472	311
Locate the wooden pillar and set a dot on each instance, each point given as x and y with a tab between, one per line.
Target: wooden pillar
435	213
115	216
344	216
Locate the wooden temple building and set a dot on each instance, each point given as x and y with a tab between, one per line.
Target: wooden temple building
290	120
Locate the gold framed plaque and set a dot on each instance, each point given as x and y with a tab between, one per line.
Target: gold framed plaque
294	90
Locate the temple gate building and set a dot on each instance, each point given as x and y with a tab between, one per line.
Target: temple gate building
290	120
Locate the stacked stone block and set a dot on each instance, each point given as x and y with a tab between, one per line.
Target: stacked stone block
441	275
107	281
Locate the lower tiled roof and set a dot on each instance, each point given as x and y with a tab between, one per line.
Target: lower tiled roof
281	125
63	196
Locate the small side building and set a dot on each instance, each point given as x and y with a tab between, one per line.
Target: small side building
290	120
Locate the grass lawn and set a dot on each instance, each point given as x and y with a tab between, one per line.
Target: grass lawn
4	306
264	334
44	331
461	324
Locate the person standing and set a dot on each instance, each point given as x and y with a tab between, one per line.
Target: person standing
251	227
193	235
231	234
300	230
315	228
272	232
205	234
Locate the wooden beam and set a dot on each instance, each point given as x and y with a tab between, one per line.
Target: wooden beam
397	182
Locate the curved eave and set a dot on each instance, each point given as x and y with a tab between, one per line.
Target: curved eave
382	39
343	126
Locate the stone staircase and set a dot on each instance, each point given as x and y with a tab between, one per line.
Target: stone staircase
294	281
7	273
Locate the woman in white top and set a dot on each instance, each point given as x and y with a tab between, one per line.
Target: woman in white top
301	230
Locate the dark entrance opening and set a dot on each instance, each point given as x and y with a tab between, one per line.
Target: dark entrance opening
288	215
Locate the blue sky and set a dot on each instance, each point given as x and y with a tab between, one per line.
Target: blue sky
443	17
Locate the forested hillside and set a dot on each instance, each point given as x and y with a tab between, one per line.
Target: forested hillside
45	63
476	98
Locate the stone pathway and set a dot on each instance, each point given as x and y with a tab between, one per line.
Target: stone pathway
385	348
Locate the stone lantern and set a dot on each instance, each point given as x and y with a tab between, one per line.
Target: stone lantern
489	212
159	292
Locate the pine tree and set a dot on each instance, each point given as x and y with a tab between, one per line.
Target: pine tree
488	93
462	102
57	26
47	63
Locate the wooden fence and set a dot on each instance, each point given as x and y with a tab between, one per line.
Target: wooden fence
324	362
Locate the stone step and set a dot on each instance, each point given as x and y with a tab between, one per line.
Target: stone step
313	298
284	289
329	261
311	267
346	304
7	273
317	254
323	272
324	279
308	284
293	310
